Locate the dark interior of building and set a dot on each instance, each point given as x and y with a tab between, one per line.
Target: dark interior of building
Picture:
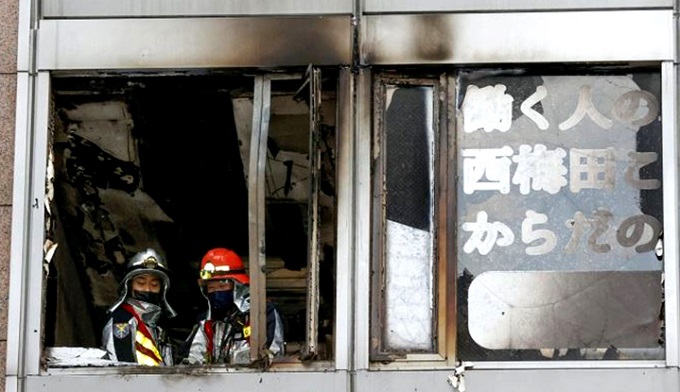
162	162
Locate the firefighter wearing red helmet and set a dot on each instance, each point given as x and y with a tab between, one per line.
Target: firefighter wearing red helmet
223	336
132	333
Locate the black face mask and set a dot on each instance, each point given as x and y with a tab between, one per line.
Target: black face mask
147	296
221	302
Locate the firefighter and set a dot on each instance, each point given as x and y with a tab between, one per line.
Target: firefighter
223	336
132	333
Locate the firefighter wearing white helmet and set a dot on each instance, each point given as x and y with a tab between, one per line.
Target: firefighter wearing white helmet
224	335
132	333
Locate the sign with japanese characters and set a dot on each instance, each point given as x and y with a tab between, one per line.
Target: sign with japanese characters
558	172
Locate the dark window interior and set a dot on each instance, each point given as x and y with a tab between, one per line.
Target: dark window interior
161	162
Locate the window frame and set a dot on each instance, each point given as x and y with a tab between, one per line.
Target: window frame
671	227
257	205
443	323
670	268
25	312
28	280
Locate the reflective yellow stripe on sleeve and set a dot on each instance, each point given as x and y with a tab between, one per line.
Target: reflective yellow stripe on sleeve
146	351
146	360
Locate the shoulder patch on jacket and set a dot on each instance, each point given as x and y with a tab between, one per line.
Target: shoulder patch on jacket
121	330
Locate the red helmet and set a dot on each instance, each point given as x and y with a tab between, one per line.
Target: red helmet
221	263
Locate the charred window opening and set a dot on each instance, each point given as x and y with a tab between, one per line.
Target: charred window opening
406	315
162	162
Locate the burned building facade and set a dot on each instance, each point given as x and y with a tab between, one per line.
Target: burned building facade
436	196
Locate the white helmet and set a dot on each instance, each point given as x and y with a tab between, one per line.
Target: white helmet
146	262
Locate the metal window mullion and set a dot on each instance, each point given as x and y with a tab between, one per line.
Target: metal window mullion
448	154
440	282
27	34
312	320
377	225
19	305
20	218
256	213
344	308
434	223
670	207
362	236
34	271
